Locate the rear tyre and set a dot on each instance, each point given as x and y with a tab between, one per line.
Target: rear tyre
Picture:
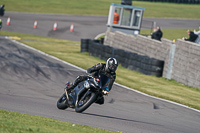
83	104
62	102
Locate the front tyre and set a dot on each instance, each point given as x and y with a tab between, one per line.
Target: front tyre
83	104
62	102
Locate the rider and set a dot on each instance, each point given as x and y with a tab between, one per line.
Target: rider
108	69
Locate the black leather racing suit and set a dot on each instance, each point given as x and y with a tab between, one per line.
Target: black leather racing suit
98	68
101	68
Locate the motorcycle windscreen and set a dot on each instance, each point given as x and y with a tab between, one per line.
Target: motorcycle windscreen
104	80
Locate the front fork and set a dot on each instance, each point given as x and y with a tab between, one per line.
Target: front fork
67	84
66	94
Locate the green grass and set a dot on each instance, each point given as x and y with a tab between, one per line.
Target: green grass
101	7
159	87
13	122
171	34
169	10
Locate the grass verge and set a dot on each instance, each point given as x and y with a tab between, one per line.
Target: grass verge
101	7
171	34
13	122
160	87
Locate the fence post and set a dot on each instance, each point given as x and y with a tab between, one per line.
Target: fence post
153	26
171	61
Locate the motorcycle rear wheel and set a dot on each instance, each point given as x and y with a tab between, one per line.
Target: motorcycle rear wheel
62	102
87	101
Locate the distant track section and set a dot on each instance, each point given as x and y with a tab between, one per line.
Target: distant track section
83	26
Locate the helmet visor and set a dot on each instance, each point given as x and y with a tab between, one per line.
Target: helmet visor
112	67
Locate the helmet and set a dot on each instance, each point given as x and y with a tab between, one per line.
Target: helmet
111	65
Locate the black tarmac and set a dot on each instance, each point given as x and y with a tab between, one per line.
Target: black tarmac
31	83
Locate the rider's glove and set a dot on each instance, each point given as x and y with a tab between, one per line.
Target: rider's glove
105	92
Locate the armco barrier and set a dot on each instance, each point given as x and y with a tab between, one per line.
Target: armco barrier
130	60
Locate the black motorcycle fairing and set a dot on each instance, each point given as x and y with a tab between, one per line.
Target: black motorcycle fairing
79	93
85	93
103	81
74	95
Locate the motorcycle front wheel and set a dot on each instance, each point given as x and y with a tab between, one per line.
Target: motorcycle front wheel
85	102
62	102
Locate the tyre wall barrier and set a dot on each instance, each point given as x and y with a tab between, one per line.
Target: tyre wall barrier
132	61
84	45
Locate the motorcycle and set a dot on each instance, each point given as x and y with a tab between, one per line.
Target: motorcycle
85	93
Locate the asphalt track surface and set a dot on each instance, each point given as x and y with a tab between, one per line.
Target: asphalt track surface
31	83
84	26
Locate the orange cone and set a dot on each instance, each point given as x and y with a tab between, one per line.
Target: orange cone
55	26
35	24
72	27
8	21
